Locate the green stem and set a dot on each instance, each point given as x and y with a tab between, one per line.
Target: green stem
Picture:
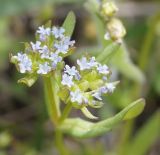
66	112
60	143
146	46
127	131
53	106
51	98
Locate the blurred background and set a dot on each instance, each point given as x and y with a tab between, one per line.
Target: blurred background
24	125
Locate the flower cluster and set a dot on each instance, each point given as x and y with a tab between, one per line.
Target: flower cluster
115	29
46	54
85	85
82	86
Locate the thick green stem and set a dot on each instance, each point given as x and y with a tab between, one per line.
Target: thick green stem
52	99
53	107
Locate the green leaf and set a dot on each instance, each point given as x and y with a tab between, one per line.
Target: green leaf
146	136
108	52
29	80
85	129
135	110
69	24
88	114
123	63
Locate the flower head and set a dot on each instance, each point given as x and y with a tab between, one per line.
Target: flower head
42	56
89	88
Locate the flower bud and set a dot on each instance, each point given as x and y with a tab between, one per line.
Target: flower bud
116	29
108	9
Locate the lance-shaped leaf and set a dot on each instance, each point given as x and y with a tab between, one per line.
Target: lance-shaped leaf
29	80
85	129
69	24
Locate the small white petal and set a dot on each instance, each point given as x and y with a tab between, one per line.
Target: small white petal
58	32
61	48
103	69
25	64
55	59
77	96
97	95
67	80
92	62
83	63
110	87
36	46
107	36
71	70
44	68
44	52
67	41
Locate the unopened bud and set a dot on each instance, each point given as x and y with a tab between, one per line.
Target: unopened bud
109	9
116	29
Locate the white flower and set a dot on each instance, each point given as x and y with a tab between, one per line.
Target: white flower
103	69
25	64
107	36
67	80
55	59
92	62
77	96
97	95
20	57
83	63
61	47
44	52
103	90
43	32
72	72
110	87
58	32
67	41
36	46
44	68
